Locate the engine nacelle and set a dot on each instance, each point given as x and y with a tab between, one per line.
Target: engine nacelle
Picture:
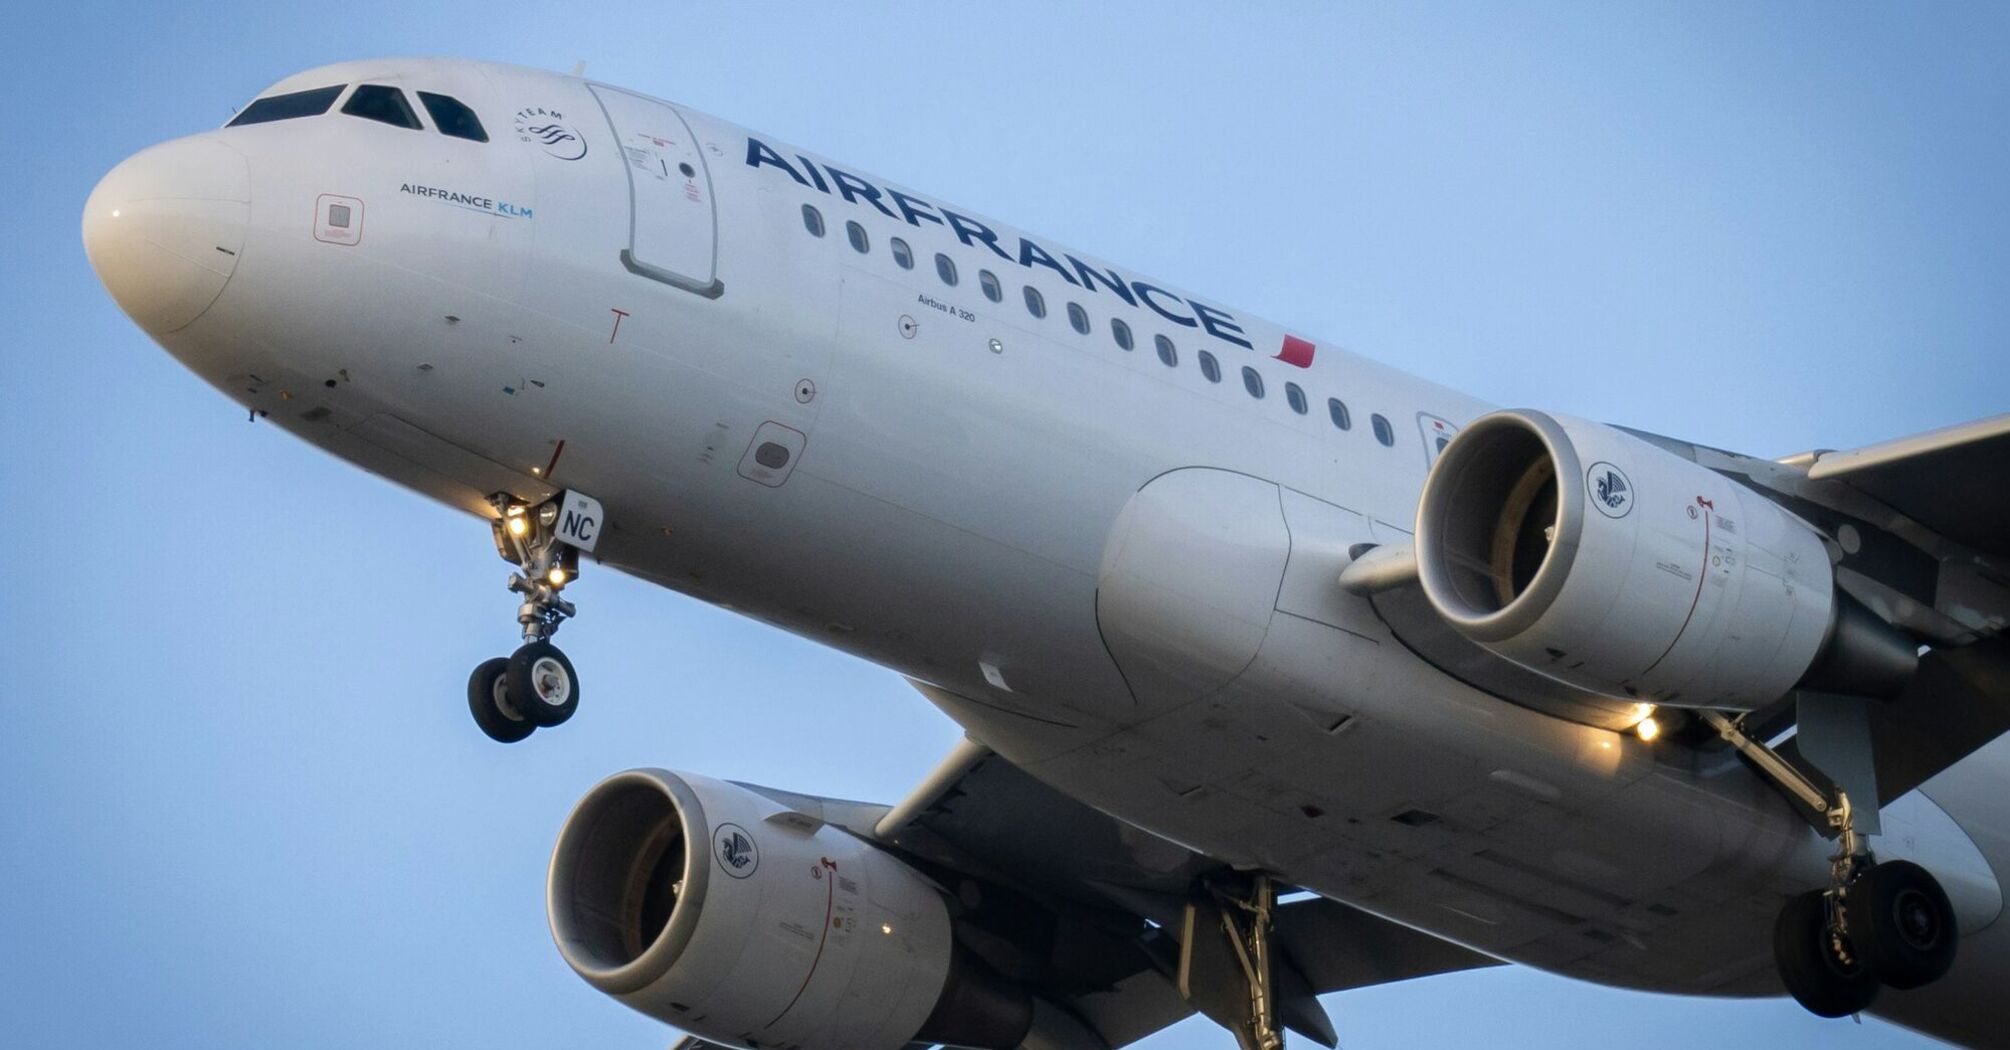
1595	557
713	908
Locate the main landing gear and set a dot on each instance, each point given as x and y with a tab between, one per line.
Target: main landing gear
511	697
1875	926
1228	966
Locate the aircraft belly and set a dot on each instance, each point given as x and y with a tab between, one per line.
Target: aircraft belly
1282	728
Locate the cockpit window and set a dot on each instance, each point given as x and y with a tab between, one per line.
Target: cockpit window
288	106
453	117
381	103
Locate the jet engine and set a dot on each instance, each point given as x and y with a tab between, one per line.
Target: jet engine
725	913
1598	558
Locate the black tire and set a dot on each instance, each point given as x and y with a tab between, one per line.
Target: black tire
543	683
489	702
1902	923
1814	976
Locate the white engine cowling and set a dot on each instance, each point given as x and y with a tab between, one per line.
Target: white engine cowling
716	909
1593	556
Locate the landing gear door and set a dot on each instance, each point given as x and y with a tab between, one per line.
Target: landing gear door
673	232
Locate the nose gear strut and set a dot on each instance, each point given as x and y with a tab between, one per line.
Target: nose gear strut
536	686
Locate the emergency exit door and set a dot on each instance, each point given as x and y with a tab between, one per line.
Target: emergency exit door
673	228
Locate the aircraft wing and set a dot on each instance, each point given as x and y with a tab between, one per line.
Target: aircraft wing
1955	480
1087	909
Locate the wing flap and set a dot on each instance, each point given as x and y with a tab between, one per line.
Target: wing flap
1951	480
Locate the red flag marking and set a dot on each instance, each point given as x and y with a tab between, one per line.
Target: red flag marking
1296	352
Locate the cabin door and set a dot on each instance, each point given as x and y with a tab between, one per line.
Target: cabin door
674	229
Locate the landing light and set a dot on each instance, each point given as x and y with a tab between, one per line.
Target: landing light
886	927
547	515
518	526
1648	729
556	576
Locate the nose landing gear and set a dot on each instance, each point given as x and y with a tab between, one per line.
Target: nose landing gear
535	687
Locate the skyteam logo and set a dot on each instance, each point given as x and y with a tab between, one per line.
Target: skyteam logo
548	129
736	850
1611	493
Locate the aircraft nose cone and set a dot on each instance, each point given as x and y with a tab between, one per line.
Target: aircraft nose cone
164	229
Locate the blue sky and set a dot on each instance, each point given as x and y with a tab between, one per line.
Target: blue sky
241	803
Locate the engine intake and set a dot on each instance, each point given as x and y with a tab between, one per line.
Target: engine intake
1590	555
718	910
624	863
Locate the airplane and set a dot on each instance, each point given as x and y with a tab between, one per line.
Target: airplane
1282	672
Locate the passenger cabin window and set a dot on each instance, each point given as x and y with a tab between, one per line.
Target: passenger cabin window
1121	332
1384	433
813	221
992	289
1209	367
1296	397
453	117
311	103
903	256
855	233
1252	382
383	104
1342	418
1036	304
1167	353
1078	318
945	268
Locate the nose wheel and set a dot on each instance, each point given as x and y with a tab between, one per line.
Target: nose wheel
541	682
536	686
489	701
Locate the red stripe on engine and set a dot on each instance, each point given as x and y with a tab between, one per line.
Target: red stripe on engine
830	899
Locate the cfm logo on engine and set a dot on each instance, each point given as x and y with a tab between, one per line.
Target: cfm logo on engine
736	850
1611	493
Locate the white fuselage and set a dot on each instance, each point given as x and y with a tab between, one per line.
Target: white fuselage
955	472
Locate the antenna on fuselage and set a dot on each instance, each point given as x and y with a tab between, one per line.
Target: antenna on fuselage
579	68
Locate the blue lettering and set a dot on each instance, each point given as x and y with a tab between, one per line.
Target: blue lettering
758	154
1219	325
971	233
1145	292
851	188
1030	254
911	209
1091	275
814	177
968	228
